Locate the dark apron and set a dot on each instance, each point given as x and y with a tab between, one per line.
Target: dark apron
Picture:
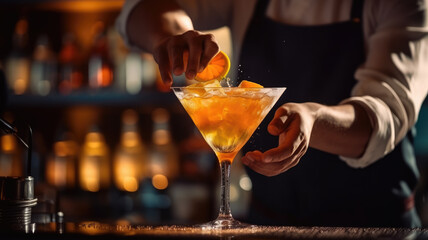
317	64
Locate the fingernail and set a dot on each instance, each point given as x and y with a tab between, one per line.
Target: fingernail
252	157
191	74
177	71
201	69
245	160
168	82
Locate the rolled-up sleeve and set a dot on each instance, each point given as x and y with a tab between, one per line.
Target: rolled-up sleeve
122	20
206	15
393	82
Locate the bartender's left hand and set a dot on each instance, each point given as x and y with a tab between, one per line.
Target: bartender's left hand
293	124
342	130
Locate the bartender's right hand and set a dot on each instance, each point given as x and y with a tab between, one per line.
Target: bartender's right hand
170	52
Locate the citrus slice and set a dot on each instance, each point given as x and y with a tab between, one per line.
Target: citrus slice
217	68
249	84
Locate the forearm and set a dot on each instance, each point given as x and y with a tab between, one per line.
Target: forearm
343	130
152	20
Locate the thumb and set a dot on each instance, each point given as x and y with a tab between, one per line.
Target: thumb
278	125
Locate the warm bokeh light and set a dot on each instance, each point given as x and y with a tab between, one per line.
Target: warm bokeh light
8	143
245	183
94	169
161	137
130	155
10	160
125	172
60	168
160	181
104	76
234	193
130	184
90	176
21	84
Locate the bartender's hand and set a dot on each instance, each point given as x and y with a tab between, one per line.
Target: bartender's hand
166	31
341	130
293	124
198	47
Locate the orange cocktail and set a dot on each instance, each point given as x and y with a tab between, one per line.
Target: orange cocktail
226	117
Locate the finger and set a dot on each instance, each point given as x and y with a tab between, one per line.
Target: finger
211	48
175	51
162	58
195	51
280	121
269	169
253	156
285	150
274	168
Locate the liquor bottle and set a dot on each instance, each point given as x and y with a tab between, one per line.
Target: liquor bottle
43	68
133	70
70	74
18	63
130	155
100	67
163	158
61	165
94	162
10	160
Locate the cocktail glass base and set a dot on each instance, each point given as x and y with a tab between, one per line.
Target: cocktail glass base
224	222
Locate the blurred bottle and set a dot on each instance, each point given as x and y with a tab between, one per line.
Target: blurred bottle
100	67
70	74
164	165
140	71
10	160
18	63
43	68
94	163
130	158
61	165
133	70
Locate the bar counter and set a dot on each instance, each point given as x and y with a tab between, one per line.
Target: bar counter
96	230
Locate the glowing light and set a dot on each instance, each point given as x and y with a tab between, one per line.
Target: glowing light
129	156
104	76
125	173
91	175
245	183
234	194
8	143
130	184
94	163
20	86
160	181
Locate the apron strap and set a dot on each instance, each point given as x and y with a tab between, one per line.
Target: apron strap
357	10
260	9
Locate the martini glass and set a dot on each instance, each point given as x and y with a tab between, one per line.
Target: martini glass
226	118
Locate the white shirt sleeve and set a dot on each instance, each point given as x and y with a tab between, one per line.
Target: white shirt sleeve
122	20
393	81
207	16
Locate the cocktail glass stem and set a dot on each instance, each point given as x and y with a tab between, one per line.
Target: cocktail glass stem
225	219
225	212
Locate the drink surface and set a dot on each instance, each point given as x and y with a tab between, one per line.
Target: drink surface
227	117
